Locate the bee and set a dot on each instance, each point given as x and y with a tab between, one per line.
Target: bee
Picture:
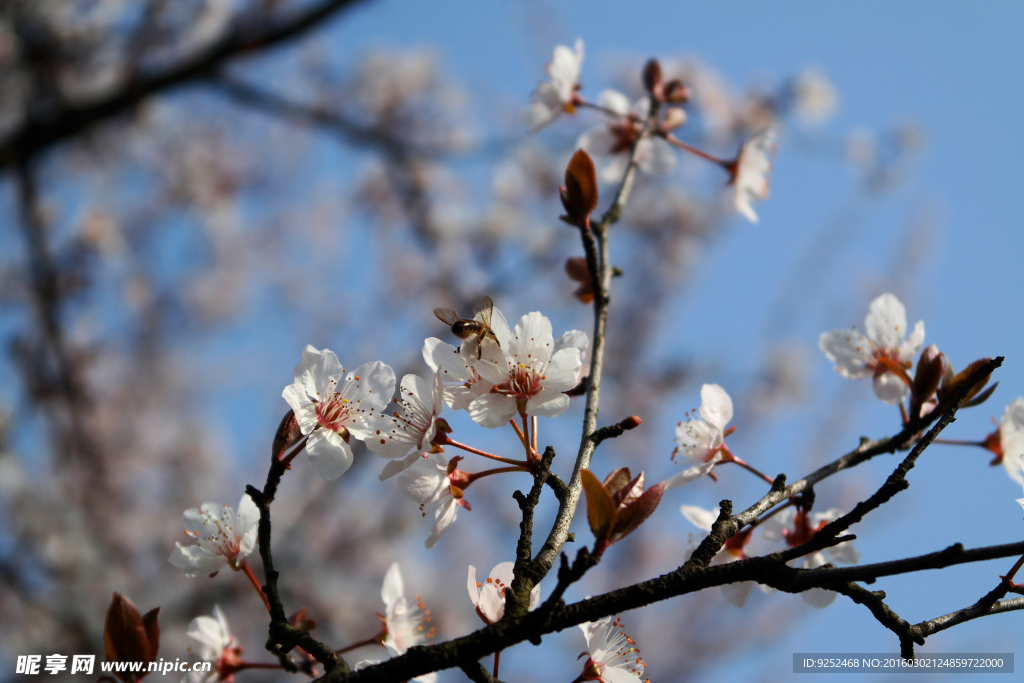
470	329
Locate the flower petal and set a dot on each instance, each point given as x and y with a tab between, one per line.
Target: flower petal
890	388
886	322
849	350
329	455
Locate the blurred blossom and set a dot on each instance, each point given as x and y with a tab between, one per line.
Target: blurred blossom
222	537
735	549
750	171
437	485
556	95
406	625
797	527
1007	442
813	97
210	640
611	143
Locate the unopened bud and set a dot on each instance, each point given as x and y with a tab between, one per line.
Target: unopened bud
930	370
652	79
579	196
676	92
673	119
631	422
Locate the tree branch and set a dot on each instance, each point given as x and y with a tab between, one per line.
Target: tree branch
596	245
283	637
35	136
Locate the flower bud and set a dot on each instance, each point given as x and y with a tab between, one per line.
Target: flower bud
652	79
930	370
676	92
579	196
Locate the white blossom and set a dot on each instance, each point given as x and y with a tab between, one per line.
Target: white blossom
407	625
489	597
750	172
556	95
882	353
1011	439
329	414
529	376
221	537
611	142
613	655
462	382
436	484
411	427
701	438
210	640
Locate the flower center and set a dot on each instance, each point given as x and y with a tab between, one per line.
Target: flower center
524	382
333	412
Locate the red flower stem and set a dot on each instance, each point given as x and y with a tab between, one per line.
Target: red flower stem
473	476
534	442
492	456
693	150
954	442
751	468
1013	570
497	658
519	432
373	640
244	566
904	415
299	445
526	435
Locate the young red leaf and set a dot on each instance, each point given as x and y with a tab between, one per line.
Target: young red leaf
631	516
601	510
616	481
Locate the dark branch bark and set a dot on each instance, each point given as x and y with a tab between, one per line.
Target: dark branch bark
36	136
283	636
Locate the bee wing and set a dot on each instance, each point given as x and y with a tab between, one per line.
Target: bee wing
446	315
484	307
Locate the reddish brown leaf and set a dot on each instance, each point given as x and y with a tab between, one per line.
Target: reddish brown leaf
630	517
601	510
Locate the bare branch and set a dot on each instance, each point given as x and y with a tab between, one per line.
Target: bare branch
35	136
